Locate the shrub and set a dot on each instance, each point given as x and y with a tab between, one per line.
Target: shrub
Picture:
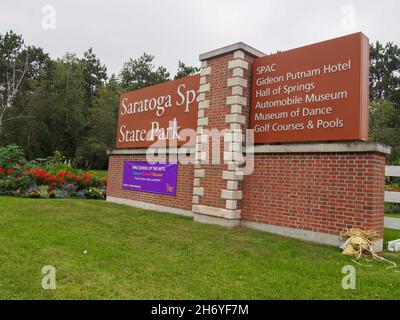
5	187
92	154
34	194
56	159
69	189
44	191
11	156
51	164
95	193
15	185
61	194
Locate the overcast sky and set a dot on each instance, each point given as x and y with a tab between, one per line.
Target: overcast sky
175	30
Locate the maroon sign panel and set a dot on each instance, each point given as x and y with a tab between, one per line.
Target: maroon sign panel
314	93
159	114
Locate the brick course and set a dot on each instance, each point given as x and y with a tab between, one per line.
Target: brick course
316	192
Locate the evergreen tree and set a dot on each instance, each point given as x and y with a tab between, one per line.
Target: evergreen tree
385	72
141	72
383	126
95	74
185	70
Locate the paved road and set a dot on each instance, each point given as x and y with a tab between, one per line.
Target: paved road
392	223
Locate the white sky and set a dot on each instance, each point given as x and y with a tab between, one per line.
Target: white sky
175	30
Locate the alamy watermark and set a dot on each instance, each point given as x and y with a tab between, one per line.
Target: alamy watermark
228	146
49	278
349	280
349	20
49	17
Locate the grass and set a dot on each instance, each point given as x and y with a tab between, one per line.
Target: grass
394	215
136	254
99	173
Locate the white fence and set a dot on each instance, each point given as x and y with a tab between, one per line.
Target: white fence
390	196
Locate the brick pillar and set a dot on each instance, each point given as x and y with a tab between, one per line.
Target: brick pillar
224	104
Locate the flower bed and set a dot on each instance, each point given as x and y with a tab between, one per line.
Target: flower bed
37	183
51	177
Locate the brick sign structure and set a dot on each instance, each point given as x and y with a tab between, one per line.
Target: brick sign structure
310	190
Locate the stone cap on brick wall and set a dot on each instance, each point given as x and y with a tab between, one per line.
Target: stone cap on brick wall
232	48
182	150
342	147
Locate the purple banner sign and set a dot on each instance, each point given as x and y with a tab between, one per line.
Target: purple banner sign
152	178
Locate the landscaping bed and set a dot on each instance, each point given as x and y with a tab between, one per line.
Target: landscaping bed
46	178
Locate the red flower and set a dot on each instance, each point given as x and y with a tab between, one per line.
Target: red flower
45	178
86	178
67	176
1	170
10	171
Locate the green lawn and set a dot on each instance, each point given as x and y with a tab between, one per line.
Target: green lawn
136	254
99	173
392	215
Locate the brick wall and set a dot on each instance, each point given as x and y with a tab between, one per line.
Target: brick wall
316	192
182	200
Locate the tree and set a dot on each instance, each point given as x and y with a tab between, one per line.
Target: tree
57	106
103	123
18	66
95	74
185	70
383	127
141	72
385	72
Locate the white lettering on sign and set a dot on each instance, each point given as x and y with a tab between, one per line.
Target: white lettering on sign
159	104
156	133
266	69
187	97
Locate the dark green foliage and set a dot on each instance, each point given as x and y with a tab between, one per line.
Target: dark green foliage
385	72
185	70
20	66
95	74
141	72
384	127
58	106
11	156
91	153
